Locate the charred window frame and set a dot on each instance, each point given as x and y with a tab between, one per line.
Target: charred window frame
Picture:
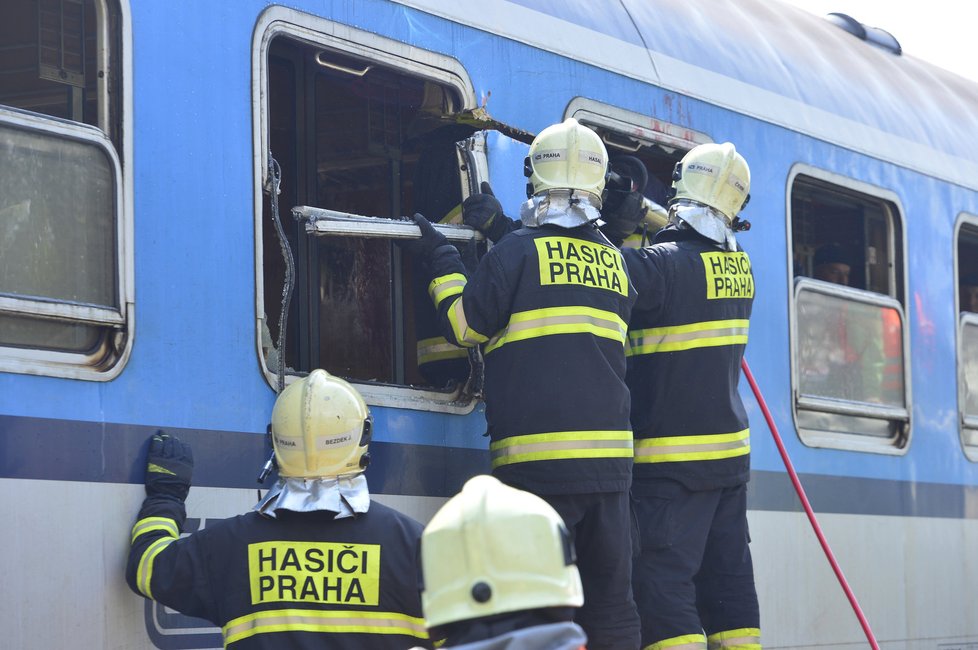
658	144
66	268
966	303
348	115
849	343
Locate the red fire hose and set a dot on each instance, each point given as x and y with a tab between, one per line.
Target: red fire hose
808	508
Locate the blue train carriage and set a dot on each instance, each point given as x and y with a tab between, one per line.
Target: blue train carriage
136	143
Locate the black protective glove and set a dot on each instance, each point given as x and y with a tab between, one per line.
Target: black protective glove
484	213
624	218
169	467
424	247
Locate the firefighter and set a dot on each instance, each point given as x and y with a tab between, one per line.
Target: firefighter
549	304
316	564
631	209
438	192
499	572
693	576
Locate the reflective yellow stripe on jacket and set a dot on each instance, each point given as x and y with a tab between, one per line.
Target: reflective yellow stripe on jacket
560	320
445	287
703	447
311	620
747	638
685	337
561	445
438	348
685	642
144	572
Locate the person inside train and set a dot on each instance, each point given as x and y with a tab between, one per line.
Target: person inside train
968	293
551	300
498	572
831	264
316	561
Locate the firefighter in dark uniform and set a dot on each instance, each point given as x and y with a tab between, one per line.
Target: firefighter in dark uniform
549	304
438	193
693	577
316	564
499	572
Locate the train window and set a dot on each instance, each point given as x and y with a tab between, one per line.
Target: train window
849	335
363	139
967	296
631	137
65	289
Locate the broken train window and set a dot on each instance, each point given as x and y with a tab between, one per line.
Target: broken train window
370	140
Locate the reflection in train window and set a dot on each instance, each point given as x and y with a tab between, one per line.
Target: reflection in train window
63	271
967	290
357	136
850	376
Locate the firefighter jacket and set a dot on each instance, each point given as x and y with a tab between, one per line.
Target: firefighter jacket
438	196
553	636
685	343
550	307
301	580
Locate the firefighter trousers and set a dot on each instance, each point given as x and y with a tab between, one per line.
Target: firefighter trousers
599	524
692	572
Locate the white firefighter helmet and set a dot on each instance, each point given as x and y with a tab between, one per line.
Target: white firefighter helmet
493	549
567	156
320	428
714	177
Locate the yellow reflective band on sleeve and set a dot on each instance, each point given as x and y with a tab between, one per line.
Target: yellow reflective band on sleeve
685	642
446	286
453	217
460	326
728	275
335	622
566	260
560	320
686	337
561	445
703	447
438	348
144	572
746	638
148	524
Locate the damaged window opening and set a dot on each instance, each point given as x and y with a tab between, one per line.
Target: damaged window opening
638	145
375	142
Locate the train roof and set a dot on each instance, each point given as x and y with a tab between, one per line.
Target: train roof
761	58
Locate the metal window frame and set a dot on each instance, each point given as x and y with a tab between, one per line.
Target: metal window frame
965	421
107	362
643	129
898	285
277	21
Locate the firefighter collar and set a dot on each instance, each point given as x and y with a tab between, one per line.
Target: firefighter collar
564	208
344	496
707	221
